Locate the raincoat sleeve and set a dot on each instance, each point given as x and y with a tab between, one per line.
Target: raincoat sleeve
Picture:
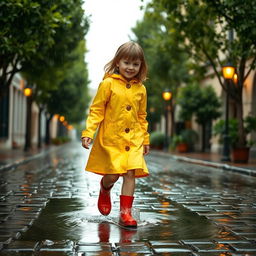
142	114
97	109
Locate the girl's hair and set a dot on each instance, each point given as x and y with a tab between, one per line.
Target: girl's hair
130	51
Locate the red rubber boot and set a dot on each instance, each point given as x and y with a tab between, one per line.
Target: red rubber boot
104	201
126	218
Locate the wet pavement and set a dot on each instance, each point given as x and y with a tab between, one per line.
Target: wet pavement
48	206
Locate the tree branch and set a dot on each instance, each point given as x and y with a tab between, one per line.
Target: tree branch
250	69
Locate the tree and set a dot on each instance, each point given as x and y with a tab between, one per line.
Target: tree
26	27
71	97
38	39
204	25
201	102
168	63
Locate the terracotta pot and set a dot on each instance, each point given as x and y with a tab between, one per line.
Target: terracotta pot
182	147
240	155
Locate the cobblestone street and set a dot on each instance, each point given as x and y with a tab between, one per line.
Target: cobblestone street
49	207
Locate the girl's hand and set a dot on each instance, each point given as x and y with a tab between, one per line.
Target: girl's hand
145	149
86	142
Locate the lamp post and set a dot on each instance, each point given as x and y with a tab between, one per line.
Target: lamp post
167	96
228	72
28	93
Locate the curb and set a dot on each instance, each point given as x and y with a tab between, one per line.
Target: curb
240	170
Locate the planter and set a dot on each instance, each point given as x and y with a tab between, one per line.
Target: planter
240	155
182	147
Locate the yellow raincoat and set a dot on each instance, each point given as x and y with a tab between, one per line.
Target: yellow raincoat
119	112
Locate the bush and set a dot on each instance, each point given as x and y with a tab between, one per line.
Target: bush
60	140
187	136
157	140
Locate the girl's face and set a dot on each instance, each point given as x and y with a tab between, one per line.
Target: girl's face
129	68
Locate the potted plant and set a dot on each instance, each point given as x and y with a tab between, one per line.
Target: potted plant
240	154
157	140
184	141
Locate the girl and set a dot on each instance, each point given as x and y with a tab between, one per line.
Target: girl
119	112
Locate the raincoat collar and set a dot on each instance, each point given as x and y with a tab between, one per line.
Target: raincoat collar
120	77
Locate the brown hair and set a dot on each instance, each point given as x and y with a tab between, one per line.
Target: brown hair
131	51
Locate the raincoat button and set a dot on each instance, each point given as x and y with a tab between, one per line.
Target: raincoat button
127	130
127	148
128	107
128	86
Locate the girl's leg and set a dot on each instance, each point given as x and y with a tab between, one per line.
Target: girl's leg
128	186
104	201
126	200
109	179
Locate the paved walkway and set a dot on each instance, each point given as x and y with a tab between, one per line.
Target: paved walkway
48	208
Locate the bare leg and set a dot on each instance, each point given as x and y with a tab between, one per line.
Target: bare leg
128	186
109	180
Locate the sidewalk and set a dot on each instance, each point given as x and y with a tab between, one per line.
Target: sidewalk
10	158
212	160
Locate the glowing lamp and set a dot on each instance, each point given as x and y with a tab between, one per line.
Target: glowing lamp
235	78
27	92
62	118
228	71
167	95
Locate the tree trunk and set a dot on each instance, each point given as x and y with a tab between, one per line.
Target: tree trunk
241	132
27	146
47	132
39	140
172	132
203	137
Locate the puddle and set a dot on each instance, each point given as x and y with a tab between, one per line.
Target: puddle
75	219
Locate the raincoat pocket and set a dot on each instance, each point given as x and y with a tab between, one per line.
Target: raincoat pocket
110	134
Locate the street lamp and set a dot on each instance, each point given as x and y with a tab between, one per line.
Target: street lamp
27	91
228	72
167	96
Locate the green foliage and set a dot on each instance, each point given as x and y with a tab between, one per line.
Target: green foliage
157	139
60	140
38	38
167	61
71	96
199	101
219	130
202	28
188	136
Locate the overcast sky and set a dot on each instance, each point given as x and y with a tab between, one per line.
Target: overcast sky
111	23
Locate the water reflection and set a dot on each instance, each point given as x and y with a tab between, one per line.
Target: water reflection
78	220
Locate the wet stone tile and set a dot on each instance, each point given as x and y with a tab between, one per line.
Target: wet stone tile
13	253
29	209
93	247
22	246
136	247
56	195
48	245
217	248
169	247
244	247
13	228
55	253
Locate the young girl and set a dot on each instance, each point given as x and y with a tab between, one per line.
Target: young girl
119	112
